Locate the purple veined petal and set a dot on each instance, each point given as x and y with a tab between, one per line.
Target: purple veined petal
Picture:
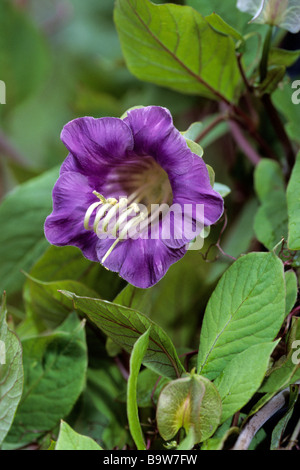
182	224
71	164
97	180
189	190
155	135
96	143
73	235
141	262
72	196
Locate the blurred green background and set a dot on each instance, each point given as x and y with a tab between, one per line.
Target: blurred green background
61	59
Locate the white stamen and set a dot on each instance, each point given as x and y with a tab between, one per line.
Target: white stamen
99	215
89	213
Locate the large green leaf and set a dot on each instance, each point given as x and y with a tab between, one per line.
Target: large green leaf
293	201
11	374
125	325
242	377
247	308
22	217
54	376
68	439
174	46
270	223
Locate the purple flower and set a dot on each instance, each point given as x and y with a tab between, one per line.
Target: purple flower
139	159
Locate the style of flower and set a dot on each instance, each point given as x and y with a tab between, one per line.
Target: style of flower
283	13
114	165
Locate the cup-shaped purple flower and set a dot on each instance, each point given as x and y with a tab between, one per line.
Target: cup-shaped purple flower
117	171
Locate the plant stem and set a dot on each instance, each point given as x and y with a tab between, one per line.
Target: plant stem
220	118
260	418
243	143
293	439
242	72
265	55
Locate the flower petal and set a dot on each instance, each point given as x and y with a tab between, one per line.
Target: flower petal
72	196
194	187
155	135
190	191
97	142
140	262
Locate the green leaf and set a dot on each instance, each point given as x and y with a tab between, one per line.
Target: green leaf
54	376
171	301
220	437
99	413
287	370
195	148
239	21
275	74
283	57
11	373
268	179
280	427
61	263
293	202
193	131
48	307
237	239
189	402
149	386
284	100
125	325
222	189
291	290
68	439
156	42
242	377
227	11
246	308
270	223
136	359
133	297
189	441
222	27
22	216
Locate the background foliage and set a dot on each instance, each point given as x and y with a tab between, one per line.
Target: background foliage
93	363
